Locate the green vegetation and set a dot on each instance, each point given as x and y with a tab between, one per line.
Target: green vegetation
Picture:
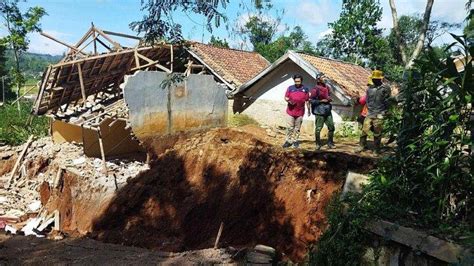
14	127
427	183
33	65
18	25
238	120
216	41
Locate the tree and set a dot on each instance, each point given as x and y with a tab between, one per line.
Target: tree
18	25
258	24
408	58
216	41
296	40
355	33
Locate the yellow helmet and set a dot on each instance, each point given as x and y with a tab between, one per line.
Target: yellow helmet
370	82
377	74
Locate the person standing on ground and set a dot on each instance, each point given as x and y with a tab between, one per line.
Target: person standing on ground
377	100
364	111
297	97
320	98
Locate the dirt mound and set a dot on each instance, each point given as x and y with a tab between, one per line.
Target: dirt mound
261	193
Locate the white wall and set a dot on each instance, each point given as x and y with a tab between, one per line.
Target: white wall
269	107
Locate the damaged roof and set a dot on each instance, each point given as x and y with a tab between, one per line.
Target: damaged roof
234	66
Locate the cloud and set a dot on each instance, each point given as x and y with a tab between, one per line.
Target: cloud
43	45
324	33
452	11
315	13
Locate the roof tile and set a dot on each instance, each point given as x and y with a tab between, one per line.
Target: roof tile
350	77
235	66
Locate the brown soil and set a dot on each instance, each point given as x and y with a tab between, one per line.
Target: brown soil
257	190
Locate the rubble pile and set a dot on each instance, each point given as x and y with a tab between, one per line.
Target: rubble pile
43	160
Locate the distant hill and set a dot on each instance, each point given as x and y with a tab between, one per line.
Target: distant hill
32	64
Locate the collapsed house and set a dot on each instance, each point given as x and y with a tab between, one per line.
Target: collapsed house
84	92
262	96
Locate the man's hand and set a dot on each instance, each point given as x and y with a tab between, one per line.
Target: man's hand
324	100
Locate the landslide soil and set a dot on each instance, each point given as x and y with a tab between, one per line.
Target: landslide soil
261	193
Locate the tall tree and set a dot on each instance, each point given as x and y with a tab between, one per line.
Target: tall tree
355	33
18	26
408	58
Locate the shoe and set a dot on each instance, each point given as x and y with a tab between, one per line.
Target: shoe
296	144
286	144
331	145
318	147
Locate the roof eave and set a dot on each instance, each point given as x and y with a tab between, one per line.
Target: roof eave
195	55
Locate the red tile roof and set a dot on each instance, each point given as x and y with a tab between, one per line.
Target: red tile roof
234	66
350	77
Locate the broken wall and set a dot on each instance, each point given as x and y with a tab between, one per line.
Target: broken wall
197	102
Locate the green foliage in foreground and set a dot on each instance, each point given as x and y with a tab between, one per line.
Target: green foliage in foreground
428	182
14	129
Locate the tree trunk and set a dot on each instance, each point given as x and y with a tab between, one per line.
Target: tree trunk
398	35
421	38
408	61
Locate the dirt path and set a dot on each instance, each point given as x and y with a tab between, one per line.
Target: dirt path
21	250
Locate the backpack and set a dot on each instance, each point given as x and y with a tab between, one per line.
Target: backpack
320	108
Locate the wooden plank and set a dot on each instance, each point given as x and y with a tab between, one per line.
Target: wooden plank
20	158
81	81
432	246
156	63
102	153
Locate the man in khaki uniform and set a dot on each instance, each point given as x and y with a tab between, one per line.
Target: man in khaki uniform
377	100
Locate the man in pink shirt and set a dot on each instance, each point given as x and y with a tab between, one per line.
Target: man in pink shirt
297	97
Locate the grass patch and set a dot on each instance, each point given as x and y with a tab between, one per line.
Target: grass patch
14	129
238	120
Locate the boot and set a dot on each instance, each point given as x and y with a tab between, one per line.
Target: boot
318	142
331	140
377	144
362	144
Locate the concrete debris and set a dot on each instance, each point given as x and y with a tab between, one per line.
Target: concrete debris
34	206
42	163
10	229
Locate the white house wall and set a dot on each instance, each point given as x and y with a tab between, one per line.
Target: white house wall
270	107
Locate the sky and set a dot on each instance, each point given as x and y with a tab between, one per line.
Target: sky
68	20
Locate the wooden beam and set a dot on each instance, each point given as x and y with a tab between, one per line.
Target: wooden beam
115	44
137	59
63	43
81	81
30	89
103	44
102	153
18	161
122	35
84	38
